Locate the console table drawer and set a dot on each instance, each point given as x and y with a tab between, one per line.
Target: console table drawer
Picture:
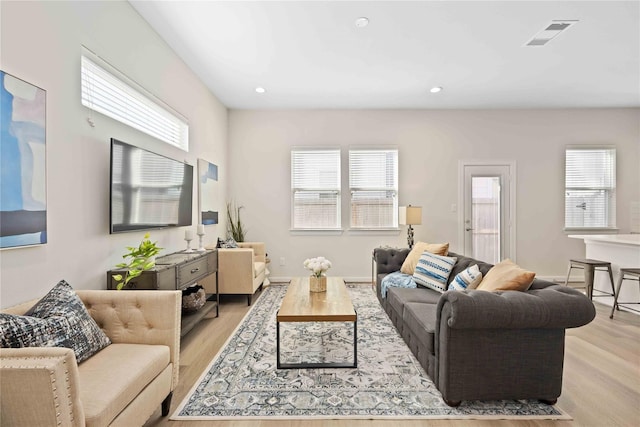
192	271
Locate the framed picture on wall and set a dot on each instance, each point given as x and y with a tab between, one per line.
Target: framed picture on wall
208	192
23	175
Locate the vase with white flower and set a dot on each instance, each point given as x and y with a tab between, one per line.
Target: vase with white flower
318	266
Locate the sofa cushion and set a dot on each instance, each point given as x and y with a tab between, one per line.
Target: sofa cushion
410	262
507	276
433	271
398	297
59	319
258	268
469	278
420	318
113	377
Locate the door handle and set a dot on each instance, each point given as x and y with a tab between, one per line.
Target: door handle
468	229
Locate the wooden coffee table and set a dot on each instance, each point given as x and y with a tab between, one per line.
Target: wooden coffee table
301	305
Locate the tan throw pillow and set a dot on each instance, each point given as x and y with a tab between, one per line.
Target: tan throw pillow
506	276
409	264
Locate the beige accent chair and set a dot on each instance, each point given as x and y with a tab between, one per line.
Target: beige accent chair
121	385
242	270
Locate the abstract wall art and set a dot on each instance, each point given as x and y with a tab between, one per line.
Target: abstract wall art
23	186
208	194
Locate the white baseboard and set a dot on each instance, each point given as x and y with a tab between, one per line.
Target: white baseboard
287	279
360	279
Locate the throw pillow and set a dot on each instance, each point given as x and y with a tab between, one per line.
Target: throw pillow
410	262
227	244
507	276
466	279
59	319
433	271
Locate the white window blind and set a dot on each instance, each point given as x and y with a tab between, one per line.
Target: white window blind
315	189
590	188
373	182
107	94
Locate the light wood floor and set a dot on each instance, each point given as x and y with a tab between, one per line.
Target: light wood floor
601	384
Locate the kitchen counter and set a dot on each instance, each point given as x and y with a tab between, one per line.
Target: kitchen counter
621	250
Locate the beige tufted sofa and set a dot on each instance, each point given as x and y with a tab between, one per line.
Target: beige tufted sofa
121	385
242	270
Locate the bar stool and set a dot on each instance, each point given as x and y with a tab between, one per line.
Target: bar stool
635	276
590	266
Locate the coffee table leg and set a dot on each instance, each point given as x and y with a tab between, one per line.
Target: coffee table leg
277	343
355	342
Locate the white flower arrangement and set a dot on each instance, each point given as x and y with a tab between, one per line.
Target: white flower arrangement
318	266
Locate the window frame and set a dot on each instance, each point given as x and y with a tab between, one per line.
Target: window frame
394	188
107	91
611	190
336	190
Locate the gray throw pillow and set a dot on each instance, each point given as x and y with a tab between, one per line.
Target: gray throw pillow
59	319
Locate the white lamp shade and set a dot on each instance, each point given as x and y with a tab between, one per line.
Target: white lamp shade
410	215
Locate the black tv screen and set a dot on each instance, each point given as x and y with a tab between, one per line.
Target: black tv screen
148	190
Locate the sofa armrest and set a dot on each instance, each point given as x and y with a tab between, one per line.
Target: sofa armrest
39	387
259	250
236	270
389	260
552	307
139	317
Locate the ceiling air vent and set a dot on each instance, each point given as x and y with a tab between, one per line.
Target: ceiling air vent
549	33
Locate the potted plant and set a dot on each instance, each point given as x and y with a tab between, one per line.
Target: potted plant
234	224
142	258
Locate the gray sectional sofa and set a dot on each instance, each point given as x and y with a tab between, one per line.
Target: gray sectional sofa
479	345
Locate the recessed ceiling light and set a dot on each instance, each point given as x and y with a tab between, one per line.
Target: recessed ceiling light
362	22
260	89
435	89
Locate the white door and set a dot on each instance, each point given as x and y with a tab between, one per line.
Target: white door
488	210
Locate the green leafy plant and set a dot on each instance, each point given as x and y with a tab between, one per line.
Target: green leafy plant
142	258
234	224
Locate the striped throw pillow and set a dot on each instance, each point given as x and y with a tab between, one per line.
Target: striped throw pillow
466	279
433	271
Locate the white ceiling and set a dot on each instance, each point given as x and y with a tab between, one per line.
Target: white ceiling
310	54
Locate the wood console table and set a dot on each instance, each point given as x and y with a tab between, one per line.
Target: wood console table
178	270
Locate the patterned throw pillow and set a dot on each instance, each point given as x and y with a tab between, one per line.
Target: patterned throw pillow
466	279
59	319
410	262
433	271
227	244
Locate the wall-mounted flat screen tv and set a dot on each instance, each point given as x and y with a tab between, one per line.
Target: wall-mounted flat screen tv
148	190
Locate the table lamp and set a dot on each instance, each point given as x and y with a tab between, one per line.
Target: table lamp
410	215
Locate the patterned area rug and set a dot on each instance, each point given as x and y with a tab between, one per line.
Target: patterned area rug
242	380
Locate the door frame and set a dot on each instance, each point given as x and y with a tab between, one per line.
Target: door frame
511	165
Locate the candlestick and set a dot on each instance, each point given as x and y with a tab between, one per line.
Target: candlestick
201	237
188	236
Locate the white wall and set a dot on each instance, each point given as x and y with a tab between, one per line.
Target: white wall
41	43
430	145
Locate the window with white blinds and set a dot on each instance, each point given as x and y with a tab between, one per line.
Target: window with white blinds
315	189
590	188
107	94
373	183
